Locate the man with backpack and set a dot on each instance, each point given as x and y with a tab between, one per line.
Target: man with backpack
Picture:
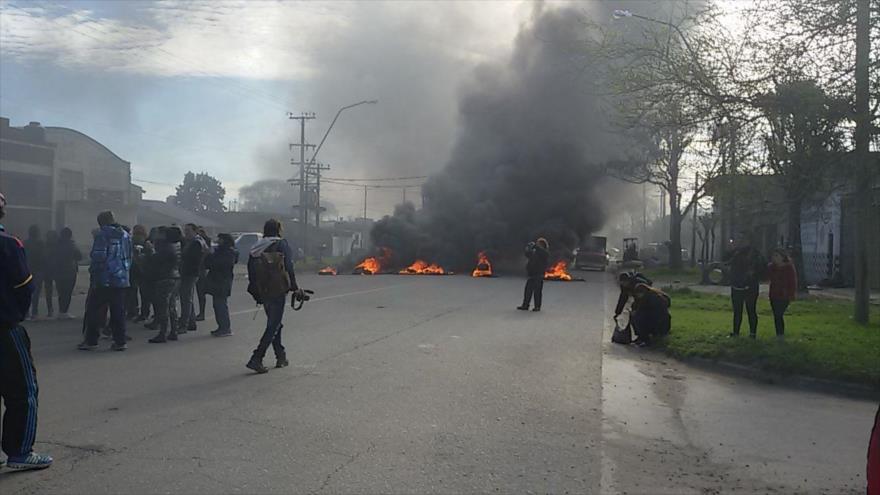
270	278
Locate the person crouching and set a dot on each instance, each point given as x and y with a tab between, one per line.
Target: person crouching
651	319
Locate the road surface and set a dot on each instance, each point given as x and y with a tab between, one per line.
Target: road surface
407	384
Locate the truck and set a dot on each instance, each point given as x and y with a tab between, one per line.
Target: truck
592	254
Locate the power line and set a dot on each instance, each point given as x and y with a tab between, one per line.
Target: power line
388	179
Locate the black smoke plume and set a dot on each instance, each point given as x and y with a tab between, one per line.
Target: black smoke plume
532	142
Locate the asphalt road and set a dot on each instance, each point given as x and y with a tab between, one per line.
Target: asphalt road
425	385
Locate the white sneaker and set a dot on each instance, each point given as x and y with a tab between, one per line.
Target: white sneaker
65	316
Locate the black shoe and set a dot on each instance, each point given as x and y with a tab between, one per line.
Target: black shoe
158	339
536	309
257	366
753	336
153	325
173	335
200	317
221	333
732	335
522	308
85	346
281	362
139	318
191	328
118	347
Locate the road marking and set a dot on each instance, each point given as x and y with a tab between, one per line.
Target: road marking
327	298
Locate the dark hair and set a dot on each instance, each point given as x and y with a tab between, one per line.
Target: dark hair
34	231
272	228
624	277
66	234
192	226
225	240
782	252
106	218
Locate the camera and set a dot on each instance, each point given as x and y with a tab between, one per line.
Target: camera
303	295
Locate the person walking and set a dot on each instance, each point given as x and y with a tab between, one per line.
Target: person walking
165	265
538	253
49	276
218	281
108	281
783	288
18	375
192	257
270	278
66	260
36	251
746	268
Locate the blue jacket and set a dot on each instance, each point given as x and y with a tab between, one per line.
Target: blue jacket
111	258
16	281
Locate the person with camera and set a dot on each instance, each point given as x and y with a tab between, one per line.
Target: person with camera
538	253
270	278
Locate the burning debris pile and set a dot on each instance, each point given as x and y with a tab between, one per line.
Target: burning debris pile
559	271
328	270
532	145
484	266
423	268
374	264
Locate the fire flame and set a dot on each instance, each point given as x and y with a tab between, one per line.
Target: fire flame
329	270
372	265
423	268
484	267
558	272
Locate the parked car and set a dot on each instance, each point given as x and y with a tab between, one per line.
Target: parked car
592	254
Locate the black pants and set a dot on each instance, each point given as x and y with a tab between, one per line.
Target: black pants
779	306
534	286
749	297
201	286
18	390
163	303
114	299
132	305
65	292
146	288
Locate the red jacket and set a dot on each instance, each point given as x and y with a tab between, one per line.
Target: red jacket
783	281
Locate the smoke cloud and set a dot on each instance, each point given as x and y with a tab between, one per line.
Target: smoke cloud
531	145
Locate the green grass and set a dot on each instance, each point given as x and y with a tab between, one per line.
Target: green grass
665	274
821	340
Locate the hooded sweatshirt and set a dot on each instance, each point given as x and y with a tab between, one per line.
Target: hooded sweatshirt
110	258
273	245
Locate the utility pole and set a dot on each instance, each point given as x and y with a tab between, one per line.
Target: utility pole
864	174
365	204
404	195
316	169
644	210
303	176
694	232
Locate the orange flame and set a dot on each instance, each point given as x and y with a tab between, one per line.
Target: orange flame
484	266
423	268
558	272
372	265
329	270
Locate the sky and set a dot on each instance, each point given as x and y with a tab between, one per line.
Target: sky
207	85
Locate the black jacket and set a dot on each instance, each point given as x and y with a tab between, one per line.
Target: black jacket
36	255
165	262
65	259
746	268
626	292
220	263
192	257
539	258
652	318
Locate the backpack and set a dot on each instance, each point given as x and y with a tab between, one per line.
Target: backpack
621	335
271	278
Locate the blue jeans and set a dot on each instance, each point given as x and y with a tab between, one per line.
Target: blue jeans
274	314
221	312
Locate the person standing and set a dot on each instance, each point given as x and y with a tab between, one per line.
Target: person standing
538	253
218	281
66	260
783	288
192	256
132	300
108	281
165	266
202	283
36	251
746	268
49	275
270	278
18	375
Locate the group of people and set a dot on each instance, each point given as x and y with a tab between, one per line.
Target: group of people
131	272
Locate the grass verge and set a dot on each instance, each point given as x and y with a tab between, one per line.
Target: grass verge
821	340
665	274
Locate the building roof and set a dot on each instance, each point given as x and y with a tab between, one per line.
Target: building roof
74	131
181	215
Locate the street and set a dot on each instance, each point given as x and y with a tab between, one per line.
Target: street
403	384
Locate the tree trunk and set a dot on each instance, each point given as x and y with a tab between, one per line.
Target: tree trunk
674	237
794	240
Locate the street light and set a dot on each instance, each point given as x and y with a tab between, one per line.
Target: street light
621	13
365	102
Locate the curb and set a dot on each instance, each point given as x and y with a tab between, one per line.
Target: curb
852	390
